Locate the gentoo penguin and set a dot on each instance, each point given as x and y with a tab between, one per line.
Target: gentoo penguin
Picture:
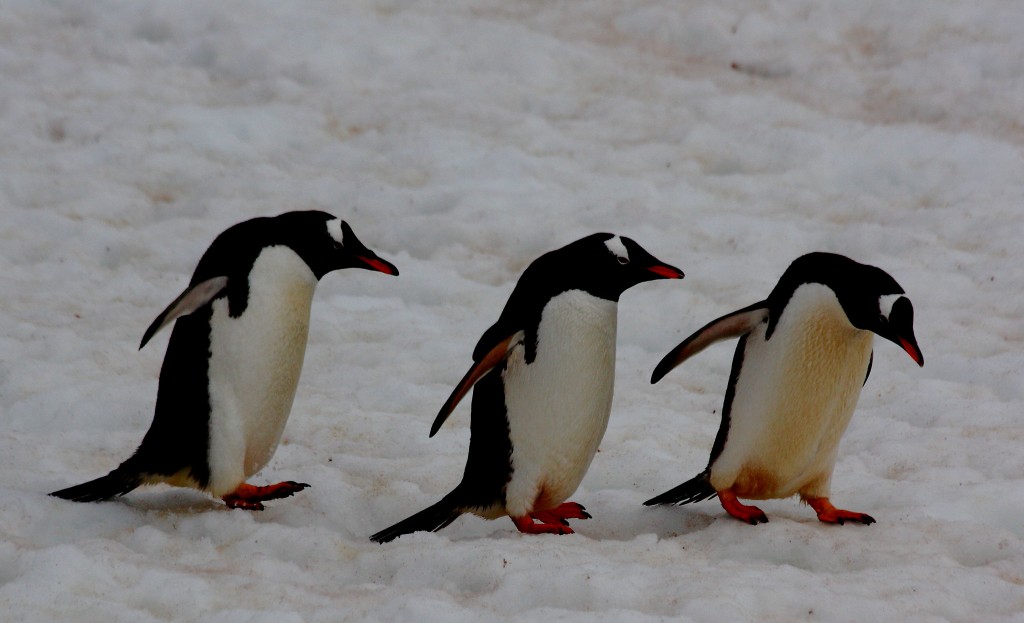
803	355
233	359
543	377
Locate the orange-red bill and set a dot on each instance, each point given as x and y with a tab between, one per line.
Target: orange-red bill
668	272
379	265
912	350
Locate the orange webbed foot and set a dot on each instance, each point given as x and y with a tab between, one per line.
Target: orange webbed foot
749	514
527	525
250	497
830	514
561	514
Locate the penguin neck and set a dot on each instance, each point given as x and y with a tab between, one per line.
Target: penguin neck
579	316
279	273
821	337
814	304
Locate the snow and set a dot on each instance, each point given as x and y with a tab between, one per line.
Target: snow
461	139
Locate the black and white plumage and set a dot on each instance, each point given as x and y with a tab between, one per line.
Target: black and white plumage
233	359
542	382
803	355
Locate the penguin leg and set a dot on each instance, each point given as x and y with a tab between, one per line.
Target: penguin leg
561	514
750	514
526	525
250	497
831	514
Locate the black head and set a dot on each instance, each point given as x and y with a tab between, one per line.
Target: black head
325	242
604	265
870	297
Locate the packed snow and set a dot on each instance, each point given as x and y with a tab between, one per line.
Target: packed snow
462	139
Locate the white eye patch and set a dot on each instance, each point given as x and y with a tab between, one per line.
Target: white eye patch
334	229
885	303
617	249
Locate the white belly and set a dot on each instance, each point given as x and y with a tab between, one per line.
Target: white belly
255	364
793	400
558	406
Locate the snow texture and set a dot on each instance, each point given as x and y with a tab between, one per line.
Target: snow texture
461	139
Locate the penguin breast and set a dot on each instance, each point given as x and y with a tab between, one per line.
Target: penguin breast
255	363
558	404
793	399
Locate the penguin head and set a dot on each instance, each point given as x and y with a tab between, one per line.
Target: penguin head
870	297
605	265
895	322
327	243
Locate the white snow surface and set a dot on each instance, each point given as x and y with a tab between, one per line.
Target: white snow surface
461	139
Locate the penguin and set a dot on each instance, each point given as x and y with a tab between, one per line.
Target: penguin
542	380
803	355
233	360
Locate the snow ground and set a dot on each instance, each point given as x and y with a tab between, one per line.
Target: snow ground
462	139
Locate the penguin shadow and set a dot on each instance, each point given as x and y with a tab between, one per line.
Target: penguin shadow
619	517
666	523
172	501
186	502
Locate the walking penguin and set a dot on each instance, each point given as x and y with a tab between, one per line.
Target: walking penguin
233	359
543	376
803	355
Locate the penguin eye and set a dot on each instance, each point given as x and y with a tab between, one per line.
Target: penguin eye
882	319
623	260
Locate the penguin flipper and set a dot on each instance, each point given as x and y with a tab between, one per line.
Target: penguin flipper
118	482
732	325
493	357
190	300
695	489
430	519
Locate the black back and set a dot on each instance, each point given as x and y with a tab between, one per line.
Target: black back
179	436
489	464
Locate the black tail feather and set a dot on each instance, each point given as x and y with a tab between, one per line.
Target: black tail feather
693	490
430	519
117	482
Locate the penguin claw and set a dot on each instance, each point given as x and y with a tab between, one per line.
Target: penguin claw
844	516
527	525
280	490
754	517
562	513
830	514
249	497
